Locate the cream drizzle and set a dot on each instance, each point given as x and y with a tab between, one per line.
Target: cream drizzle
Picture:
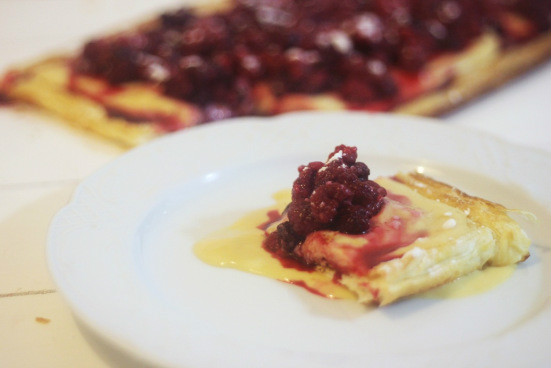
240	247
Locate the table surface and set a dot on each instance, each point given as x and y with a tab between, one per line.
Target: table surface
42	161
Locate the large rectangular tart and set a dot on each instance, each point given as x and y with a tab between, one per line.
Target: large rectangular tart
240	58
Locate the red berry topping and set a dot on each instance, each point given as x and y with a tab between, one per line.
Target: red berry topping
335	196
348	47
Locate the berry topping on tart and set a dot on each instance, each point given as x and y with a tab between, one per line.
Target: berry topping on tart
355	49
335	195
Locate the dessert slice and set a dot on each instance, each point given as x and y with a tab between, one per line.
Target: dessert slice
392	237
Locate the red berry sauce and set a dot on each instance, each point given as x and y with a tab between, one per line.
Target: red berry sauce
334	196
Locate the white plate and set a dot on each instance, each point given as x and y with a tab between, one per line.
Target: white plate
121	251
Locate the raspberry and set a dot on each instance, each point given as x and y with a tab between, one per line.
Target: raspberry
304	184
326	199
335	196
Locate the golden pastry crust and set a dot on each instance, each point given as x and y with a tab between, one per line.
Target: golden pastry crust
480	78
88	103
511	241
463	234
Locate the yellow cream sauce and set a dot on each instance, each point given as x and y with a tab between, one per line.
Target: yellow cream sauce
240	247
